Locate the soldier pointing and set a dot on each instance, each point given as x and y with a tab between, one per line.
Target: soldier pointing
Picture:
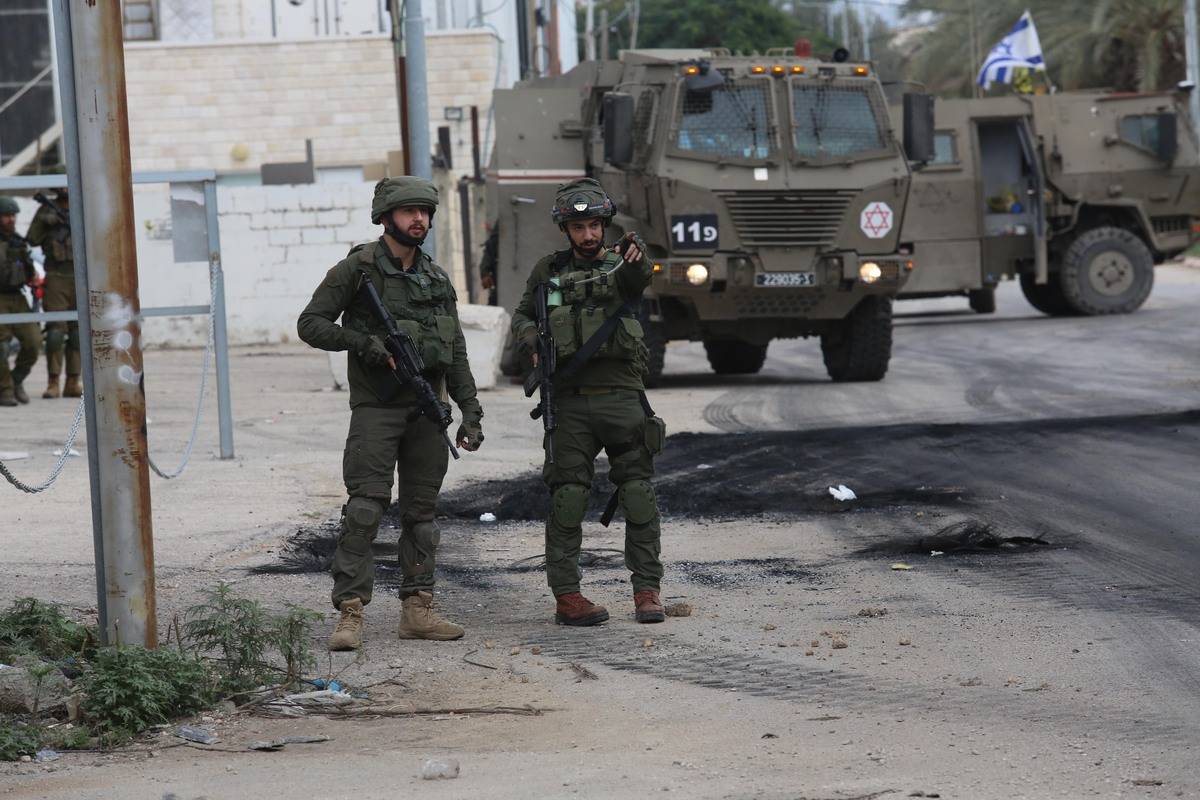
389	428
591	296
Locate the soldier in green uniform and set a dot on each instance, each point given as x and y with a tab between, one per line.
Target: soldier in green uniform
16	270
601	402
53	235
382	437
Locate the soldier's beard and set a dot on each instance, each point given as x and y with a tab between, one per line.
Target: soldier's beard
589	248
8	228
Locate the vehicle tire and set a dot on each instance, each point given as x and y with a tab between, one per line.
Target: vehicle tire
1047	298
859	347
1107	271
982	301
655	338
735	357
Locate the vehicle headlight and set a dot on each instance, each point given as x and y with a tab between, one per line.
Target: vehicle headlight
697	274
869	272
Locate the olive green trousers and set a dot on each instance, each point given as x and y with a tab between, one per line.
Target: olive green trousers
380	444
589	421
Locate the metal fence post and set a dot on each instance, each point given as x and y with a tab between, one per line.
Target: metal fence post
220	337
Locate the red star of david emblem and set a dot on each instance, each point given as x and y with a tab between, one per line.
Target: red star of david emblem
877	220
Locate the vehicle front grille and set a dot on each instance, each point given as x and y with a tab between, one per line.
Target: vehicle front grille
775	302
766	218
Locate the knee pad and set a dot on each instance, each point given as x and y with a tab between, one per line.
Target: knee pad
425	535
639	502
56	340
568	505
363	514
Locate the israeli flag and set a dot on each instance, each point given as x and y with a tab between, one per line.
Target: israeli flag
1020	48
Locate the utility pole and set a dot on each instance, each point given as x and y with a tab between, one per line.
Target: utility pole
589	31
633	24
865	26
90	41
1192	49
603	33
418	100
846	24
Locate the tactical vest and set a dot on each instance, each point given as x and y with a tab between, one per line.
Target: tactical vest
57	244
14	266
419	301
583	300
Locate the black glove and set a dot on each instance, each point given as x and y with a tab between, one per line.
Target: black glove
372	351
470	435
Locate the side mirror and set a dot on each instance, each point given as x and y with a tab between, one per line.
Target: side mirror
918	127
1167	146
618	128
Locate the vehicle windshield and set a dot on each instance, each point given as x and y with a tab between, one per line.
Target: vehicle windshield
834	122
730	122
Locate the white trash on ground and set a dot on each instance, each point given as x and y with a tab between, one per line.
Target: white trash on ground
434	768
843	492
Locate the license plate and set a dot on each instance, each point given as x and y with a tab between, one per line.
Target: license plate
775	280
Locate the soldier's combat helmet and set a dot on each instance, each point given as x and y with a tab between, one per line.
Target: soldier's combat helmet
402	192
407	190
8	206
584	198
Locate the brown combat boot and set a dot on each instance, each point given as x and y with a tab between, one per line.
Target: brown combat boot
51	389
647	608
7	398
348	633
573	608
20	393
73	387
417	620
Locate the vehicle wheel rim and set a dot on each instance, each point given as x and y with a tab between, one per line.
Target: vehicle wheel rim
1111	273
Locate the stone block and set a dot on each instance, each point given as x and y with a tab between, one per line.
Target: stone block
485	329
22	692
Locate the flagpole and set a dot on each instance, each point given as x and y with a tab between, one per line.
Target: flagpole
974	51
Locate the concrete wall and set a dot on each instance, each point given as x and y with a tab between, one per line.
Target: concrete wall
231	105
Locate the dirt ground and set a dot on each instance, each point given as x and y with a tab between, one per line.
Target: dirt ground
1049	649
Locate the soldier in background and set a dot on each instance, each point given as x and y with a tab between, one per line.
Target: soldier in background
16	271
53	235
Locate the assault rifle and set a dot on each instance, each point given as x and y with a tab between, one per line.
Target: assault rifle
409	367
542	377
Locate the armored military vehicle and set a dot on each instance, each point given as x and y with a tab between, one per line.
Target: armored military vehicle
1076	194
769	190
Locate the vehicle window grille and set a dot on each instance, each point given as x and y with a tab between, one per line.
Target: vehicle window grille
731	122
643	125
787	218
835	122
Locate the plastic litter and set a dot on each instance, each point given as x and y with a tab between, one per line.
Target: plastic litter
901	567
332	686
46	756
487	516
197	735
433	769
73	454
704	466
842	492
278	744
937	553
15	455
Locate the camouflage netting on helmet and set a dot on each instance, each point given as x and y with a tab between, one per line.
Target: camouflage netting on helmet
584	198
407	190
8	206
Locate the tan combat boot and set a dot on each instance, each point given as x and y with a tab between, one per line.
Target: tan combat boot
73	387
647	607
52	389
417	620
348	633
